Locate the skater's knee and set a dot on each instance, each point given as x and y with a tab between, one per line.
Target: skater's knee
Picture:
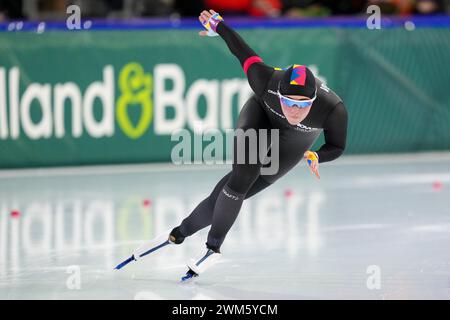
259	185
242	179
268	180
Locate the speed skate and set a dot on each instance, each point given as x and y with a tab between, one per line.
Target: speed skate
200	264
147	248
196	265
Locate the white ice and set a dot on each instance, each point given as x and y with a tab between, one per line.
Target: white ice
374	227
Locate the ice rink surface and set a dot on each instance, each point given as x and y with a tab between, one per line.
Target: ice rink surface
374	227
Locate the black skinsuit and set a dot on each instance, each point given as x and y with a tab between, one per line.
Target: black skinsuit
263	111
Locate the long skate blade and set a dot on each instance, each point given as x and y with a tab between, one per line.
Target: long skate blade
155	248
124	263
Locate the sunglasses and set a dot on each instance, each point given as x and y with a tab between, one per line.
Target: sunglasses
295	103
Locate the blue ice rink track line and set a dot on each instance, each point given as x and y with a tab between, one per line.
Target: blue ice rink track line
439	21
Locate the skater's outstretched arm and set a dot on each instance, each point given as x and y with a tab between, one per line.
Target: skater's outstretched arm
258	73
335	132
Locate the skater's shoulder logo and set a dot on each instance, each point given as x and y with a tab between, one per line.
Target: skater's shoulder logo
273	111
324	87
304	128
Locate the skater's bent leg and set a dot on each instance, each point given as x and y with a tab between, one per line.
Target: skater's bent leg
201	216
229	202
221	208
245	172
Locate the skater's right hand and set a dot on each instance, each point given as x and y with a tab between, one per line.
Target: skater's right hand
313	162
209	24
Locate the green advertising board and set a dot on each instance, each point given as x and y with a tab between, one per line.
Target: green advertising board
94	97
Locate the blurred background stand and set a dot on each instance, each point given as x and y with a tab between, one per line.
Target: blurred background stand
126	9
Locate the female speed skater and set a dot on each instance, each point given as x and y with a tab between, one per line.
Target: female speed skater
291	100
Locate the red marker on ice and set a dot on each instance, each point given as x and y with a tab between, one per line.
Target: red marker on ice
437	186
288	193
147	203
15	214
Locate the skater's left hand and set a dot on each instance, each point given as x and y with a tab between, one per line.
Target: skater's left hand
313	162
209	25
